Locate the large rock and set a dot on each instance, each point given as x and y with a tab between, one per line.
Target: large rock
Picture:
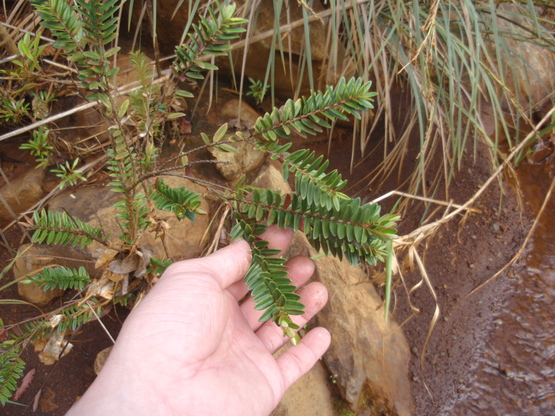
308	396
20	194
368	357
234	108
529	69
184	239
32	258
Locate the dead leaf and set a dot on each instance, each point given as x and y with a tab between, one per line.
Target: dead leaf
125	266
124	286
105	257
25	383
55	320
36	400
145	254
107	291
39	344
116	277
54	348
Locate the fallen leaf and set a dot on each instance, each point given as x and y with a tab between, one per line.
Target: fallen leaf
116	277
125	266
107	291
54	348
145	254
105	257
36	400
25	383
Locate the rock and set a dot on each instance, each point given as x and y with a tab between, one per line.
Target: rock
531	79
308	396
235	165
241	116
34	257
369	356
100	360
85	202
184	239
21	194
231	110
269	177
292	49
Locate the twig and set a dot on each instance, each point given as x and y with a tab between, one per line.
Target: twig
416	236
422	198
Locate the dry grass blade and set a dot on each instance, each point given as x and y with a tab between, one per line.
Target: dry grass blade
421	198
435	317
101	324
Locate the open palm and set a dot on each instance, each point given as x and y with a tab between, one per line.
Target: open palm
189	348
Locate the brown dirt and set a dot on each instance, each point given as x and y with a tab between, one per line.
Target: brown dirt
460	257
60	384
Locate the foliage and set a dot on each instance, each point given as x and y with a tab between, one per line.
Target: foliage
257	90
182	202
69	174
211	37
53	227
85	33
38	146
61	278
11	369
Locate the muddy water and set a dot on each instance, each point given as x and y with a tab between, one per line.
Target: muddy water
514	370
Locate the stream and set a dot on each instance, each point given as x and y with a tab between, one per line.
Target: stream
514	369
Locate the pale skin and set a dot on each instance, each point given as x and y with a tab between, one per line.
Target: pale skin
189	348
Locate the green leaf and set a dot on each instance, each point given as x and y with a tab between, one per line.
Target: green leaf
227	148
220	134
123	109
172	116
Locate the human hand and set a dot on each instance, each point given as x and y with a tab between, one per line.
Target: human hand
189	348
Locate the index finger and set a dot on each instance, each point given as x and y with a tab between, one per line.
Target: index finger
227	265
279	238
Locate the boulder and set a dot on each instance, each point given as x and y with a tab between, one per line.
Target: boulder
368	357
20	194
308	396
529	69
234	108
31	258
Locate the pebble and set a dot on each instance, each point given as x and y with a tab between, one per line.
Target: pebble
495	227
